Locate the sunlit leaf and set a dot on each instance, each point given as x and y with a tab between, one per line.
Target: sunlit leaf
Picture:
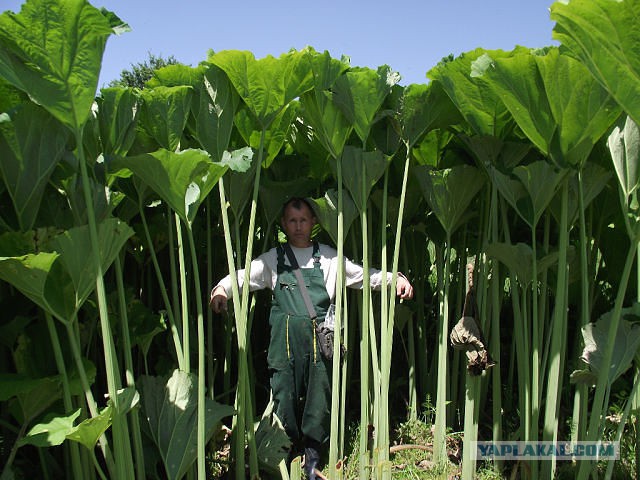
182	179
214	112
478	103
165	111
267	85
360	92
53	51
52	431
546	96
91	429
603	35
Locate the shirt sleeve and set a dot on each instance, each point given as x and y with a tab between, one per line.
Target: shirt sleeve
354	275
262	275
353	272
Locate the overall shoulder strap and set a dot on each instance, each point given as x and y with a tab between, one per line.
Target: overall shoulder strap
303	287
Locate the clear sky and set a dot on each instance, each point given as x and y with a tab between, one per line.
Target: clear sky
410	36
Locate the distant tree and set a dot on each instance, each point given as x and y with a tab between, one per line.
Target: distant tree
141	72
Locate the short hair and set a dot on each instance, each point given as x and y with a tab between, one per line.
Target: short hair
297	203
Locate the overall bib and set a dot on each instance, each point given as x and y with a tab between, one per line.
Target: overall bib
300	375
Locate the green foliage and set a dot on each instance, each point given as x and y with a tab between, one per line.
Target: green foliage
503	151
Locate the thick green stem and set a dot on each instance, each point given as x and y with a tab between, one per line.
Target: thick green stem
210	346
335	372
184	297
175	294
558	332
129	375
122	447
496	378
366	324
201	360
439	438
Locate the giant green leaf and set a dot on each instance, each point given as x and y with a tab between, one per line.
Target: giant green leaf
271	439
53	50
360	170
170	408
267	85
477	102
360	92
61	282
594	179
519	259
74	246
214	112
274	138
118	112
43	280
431	148
424	108
449	192
329	124
182	179
604	36
326	209
34	394
529	188
165	111
31	144
490	151
556	103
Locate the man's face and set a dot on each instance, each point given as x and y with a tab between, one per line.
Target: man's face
297	224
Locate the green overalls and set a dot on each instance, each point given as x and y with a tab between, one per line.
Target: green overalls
300	376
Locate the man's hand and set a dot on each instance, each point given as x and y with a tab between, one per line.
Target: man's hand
404	290
218	299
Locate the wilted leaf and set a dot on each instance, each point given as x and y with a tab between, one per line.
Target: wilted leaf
626	343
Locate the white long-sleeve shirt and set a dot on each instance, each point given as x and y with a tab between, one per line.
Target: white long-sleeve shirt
264	271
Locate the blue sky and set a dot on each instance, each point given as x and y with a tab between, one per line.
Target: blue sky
410	36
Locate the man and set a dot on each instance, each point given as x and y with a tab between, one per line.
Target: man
300	375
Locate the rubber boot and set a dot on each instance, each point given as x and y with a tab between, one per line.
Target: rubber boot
311	458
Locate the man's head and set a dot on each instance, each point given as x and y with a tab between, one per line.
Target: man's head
297	221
